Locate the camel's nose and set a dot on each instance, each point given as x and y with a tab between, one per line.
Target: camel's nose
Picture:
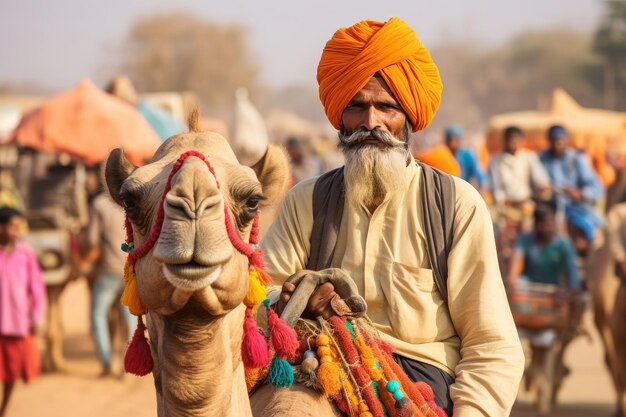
194	193
194	225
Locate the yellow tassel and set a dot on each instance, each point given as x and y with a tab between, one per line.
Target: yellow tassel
349	390
130	297
253	376
368	359
256	290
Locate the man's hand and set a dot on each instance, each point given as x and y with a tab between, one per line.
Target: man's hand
573	193
318	304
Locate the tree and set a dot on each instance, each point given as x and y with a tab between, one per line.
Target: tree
610	43
517	75
178	51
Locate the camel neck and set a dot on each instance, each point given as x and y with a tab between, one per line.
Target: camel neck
199	372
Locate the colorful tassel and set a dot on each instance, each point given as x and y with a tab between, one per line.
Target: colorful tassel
254	349
256	290
364	411
404	407
284	339
130	296
138	358
281	373
253	376
328	373
425	390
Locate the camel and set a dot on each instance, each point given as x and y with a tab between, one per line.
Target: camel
609	305
193	281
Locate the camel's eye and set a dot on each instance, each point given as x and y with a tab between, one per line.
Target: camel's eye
128	202
252	205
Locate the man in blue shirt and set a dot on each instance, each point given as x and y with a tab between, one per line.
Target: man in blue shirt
470	171
575	185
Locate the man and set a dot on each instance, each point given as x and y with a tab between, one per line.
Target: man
105	233
303	164
576	186
516	175
470	171
378	83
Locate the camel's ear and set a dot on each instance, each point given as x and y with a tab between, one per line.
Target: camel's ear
273	172
117	169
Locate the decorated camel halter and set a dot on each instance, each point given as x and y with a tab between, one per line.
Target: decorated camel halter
255	349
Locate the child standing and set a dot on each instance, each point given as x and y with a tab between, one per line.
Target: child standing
21	305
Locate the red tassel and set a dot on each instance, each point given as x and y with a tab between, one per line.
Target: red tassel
256	260
425	390
283	337
254	350
138	358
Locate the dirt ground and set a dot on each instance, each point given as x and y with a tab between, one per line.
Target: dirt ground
587	392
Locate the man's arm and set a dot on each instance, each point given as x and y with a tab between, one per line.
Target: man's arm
287	242
492	361
37	291
591	187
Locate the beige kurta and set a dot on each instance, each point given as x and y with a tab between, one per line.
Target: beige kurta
385	253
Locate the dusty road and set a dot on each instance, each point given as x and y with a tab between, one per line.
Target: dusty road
81	393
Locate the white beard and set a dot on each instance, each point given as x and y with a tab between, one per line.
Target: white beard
372	172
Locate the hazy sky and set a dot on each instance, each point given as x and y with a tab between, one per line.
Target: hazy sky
57	42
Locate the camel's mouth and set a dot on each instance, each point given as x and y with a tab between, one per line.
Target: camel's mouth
191	275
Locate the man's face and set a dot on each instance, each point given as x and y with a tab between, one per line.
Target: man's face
11	231
374	107
558	145
512	143
546	228
454	143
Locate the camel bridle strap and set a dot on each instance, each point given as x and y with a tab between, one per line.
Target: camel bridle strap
247	249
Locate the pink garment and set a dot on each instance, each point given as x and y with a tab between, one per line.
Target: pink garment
21	291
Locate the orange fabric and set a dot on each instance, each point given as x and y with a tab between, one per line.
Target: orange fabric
440	157
87	123
605	172
353	55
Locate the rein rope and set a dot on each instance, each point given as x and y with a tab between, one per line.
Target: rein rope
246	249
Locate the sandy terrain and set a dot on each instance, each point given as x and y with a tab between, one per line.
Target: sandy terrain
80	392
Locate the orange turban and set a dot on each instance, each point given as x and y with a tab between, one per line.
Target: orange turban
353	55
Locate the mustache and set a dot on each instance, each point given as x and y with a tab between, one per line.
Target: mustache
362	134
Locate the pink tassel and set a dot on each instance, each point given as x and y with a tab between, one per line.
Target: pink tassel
254	350
425	390
283	337
138	358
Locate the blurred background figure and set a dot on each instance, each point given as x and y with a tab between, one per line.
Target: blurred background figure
544	273
468	163
104	235
163	123
440	157
304	164
22	294
576	188
516	175
515	178
544	256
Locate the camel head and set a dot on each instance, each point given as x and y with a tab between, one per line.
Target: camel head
193	263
